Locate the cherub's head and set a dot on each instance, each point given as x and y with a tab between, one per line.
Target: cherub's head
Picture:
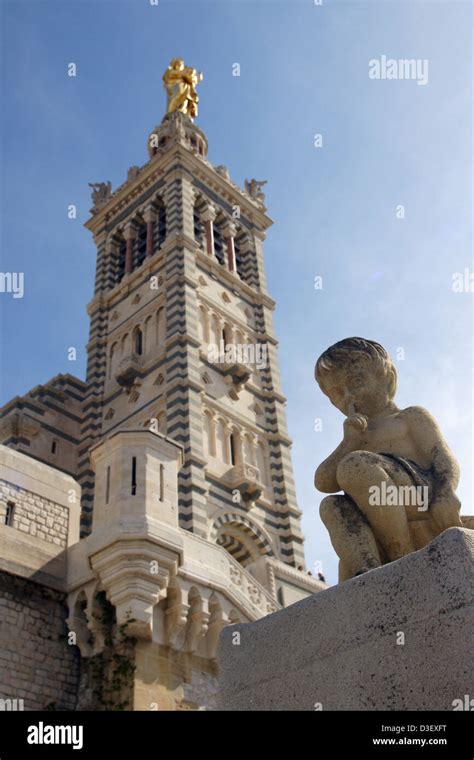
357	375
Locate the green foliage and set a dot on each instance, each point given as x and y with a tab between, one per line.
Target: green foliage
111	672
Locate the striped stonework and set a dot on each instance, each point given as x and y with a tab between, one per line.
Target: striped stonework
207	255
184	415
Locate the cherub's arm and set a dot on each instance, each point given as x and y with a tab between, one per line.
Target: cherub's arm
426	435
325	478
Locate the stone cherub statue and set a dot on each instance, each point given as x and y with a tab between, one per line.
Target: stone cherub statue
254	189
180	83
393	465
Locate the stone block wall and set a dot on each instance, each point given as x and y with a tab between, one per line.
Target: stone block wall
35	514
37	664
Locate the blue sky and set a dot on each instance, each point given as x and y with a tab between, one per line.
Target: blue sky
304	70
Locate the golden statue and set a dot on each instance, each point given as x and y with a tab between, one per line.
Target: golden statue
180	82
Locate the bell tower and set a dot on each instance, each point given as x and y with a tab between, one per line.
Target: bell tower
184	460
182	342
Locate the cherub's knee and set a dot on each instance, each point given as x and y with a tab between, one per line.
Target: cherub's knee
329	509
355	468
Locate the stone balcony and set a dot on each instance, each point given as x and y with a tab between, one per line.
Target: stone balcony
238	371
128	369
246	479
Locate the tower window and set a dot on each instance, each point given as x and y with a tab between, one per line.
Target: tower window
107	486
138	341
134	476
162	482
54	447
9	513
139	246
232	449
219	245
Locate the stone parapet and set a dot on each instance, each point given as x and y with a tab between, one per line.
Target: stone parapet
399	637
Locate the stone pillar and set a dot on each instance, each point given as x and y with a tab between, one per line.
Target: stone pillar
208	216
253	451
212	442
205	326
129	234
149	216
238	447
229	231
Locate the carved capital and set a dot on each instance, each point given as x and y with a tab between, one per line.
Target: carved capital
209	213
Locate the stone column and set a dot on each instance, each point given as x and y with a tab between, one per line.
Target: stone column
129	234
229	230
212	442
253	451
238	447
205	326
149	216
208	216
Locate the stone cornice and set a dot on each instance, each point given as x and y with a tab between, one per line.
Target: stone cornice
299	577
159	167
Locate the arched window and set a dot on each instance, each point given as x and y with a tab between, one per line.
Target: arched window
139	245
124	344
138	341
233	449
219	245
159	227
227	335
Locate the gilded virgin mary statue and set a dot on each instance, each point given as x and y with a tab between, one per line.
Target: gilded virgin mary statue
180	83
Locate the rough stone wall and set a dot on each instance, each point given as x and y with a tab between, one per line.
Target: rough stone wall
202	692
36	662
35	514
